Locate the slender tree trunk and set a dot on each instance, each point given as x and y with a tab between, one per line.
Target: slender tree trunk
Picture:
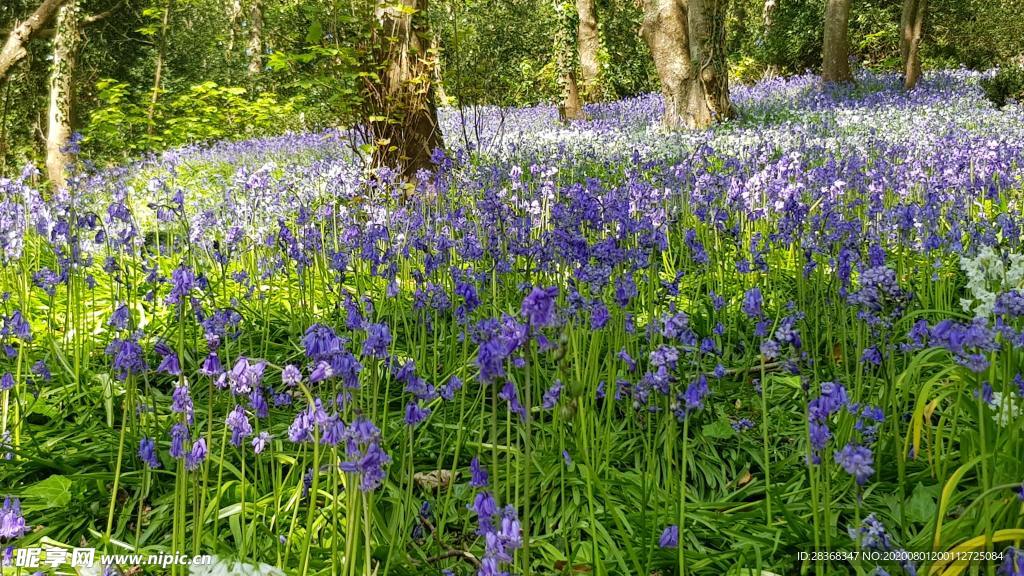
158	72
768	19
403	115
234	10
566	46
255	46
709	91
14	48
589	42
62	91
666	32
435	55
911	27
835	53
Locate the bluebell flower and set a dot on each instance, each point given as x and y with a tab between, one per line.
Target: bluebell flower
147	453
12	523
538	306
858	461
669	537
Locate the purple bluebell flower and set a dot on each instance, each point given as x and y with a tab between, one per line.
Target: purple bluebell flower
858	461
238	423
261	441
147	453
414	413
6	381
552	395
291	376
211	365
12	523
197	455
669	537
378	339
179	437
538	306
478	476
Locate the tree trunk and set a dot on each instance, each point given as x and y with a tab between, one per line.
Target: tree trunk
687	42
435	55
255	47
14	47
158	72
666	33
835	53
911	27
709	91
768	19
62	87
403	115
589	43
234	10
571	107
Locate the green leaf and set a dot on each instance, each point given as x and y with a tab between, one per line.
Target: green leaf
315	34
54	492
718	429
921	506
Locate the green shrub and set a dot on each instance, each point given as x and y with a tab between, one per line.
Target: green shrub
1007	84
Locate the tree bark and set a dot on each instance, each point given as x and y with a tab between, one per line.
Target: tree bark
14	48
255	46
687	42
709	91
158	72
589	43
62	90
571	107
403	114
666	33
835	53
911	27
768	19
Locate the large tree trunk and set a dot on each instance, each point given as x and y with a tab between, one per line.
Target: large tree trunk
62	90
835	53
666	33
589	42
403	115
255	47
14	47
687	42
709	92
911	26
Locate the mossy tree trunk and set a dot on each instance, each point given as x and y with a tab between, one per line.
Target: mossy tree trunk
62	92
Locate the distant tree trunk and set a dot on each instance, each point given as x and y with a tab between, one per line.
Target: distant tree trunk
234	9
768	19
911	26
14	48
566	47
255	47
835	53
589	42
62	91
687	42
435	55
403	118
158	72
